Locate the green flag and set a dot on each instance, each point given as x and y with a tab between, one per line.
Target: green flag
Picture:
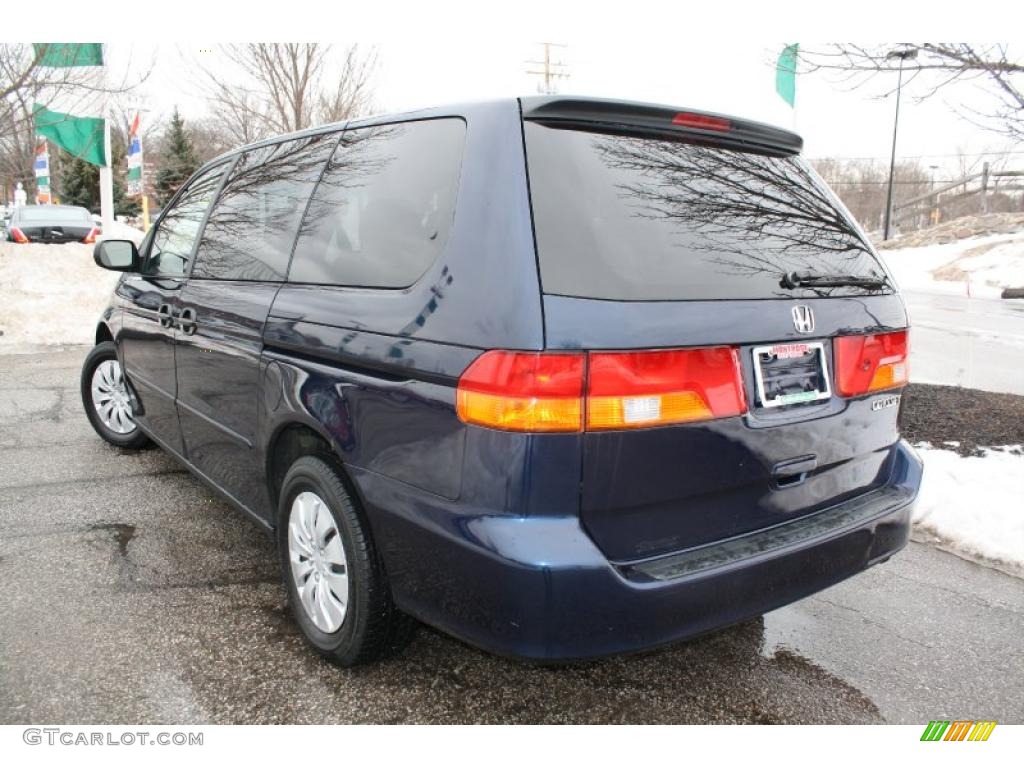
69	54
70	112
785	73
81	136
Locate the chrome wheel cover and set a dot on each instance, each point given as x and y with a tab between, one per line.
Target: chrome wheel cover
110	398
318	562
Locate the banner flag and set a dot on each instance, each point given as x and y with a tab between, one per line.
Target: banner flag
134	159
42	169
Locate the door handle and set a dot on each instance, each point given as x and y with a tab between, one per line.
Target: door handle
165	316
187	321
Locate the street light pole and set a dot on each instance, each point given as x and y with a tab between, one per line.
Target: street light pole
902	55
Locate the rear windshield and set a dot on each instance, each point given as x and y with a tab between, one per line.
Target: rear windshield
47	213
648	219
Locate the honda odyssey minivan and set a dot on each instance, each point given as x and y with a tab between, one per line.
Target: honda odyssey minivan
561	377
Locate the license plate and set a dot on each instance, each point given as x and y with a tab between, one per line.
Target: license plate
779	366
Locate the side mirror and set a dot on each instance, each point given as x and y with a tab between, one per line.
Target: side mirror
118	255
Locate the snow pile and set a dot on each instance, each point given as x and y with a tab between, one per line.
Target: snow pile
972	505
987	264
54	294
50	294
121	231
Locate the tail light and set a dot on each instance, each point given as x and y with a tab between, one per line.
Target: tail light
870	363
523	391
644	389
18	235
91	237
567	392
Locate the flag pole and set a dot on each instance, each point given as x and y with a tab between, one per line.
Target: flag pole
107	182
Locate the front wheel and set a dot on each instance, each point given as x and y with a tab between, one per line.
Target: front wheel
106	400
337	587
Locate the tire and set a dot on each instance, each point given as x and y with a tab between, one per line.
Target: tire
102	368
311	548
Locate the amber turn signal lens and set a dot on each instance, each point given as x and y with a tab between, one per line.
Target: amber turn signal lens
523	391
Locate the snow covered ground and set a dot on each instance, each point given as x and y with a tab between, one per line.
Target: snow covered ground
978	266
53	294
972	505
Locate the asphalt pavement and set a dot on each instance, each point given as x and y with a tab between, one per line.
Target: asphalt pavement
970	342
132	594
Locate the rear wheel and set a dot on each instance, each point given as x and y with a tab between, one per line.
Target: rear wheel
337	588
106	399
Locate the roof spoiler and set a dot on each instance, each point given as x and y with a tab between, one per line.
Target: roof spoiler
604	115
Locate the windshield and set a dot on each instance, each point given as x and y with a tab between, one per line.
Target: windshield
629	218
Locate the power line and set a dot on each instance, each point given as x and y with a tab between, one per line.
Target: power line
919	157
924	182
552	70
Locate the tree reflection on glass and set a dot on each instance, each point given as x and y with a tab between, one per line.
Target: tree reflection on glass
250	232
754	213
650	218
383	209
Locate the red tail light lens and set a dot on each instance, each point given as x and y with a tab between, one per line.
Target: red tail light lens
870	363
523	391
563	392
643	389
19	236
91	237
704	122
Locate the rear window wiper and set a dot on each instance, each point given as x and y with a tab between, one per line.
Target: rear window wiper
811	280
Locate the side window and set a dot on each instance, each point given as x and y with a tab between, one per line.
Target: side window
251	229
175	235
382	211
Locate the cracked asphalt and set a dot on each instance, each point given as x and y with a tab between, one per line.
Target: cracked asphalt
132	594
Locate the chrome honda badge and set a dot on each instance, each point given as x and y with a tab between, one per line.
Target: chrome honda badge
803	319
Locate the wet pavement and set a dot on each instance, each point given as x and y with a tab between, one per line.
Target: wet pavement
967	342
131	593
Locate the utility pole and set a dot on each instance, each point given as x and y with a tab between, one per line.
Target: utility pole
902	54
551	70
933	217
107	181
984	187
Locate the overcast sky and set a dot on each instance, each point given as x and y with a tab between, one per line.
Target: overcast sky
704	73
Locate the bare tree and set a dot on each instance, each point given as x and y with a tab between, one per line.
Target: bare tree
210	138
938	65
273	88
861	185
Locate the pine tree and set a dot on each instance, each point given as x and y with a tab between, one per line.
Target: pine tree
79	183
180	159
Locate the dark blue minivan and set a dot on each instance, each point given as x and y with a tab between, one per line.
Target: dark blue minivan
561	377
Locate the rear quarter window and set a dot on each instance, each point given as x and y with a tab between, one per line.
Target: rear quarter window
631	218
382	212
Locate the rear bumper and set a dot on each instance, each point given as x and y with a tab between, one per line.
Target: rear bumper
539	588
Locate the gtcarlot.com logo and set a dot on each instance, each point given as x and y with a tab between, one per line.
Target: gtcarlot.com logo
958	730
77	738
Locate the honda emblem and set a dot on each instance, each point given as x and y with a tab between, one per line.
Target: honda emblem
803	319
